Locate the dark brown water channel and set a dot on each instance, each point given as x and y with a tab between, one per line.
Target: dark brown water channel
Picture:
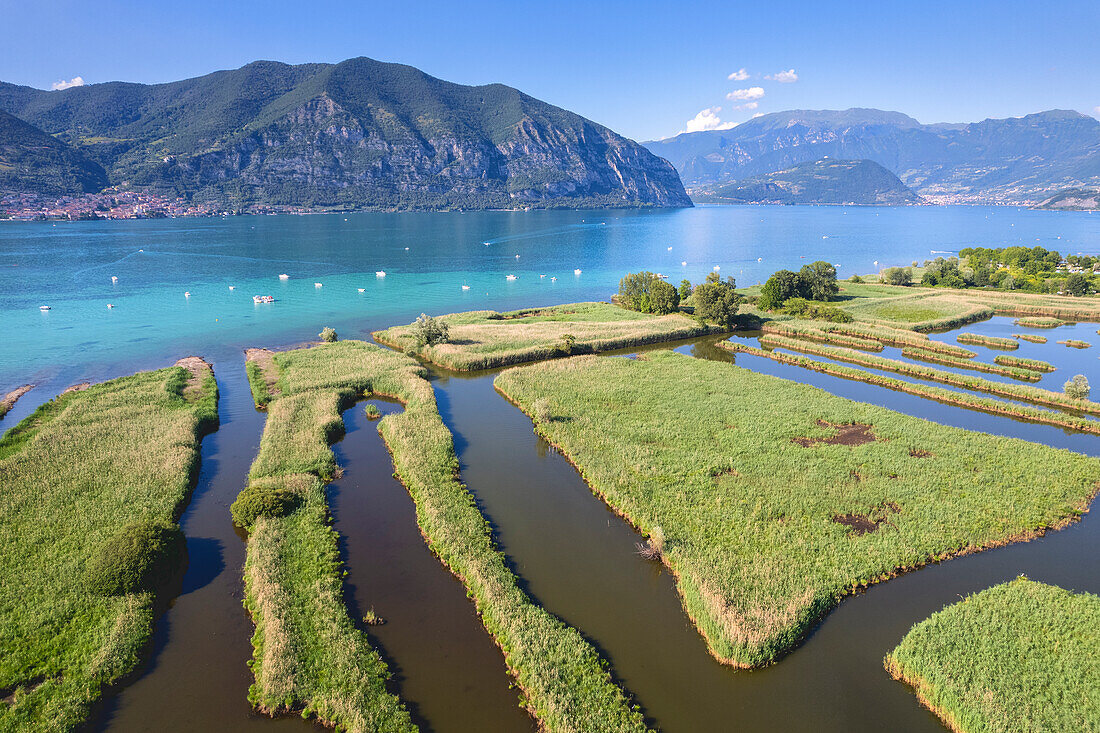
579	560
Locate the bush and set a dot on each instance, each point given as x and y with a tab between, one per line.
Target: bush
261	501
817	311
779	288
328	335
897	276
855	279
685	289
372	411
428	331
1077	388
646	293
818	281
716	302
140	558
1077	284
568	344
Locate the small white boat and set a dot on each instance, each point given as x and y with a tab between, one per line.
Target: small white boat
486	243
554	279
114	278
362	290
670	249
824	236
380	273
43	307
110	305
717	268
663	277
187	294
542	276
263	299
284	277
232	287
317	285
465	287
517	257
876	263
759	259
577	271
510	277
684	263
406	249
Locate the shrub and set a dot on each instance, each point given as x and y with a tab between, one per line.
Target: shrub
372	411
716	302
261	501
428	331
1077	388
855	279
328	335
646	293
897	276
817	311
140	558
568	344
541	410
818	281
779	288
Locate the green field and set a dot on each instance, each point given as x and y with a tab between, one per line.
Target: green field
307	650
487	339
1017	658
83	478
775	499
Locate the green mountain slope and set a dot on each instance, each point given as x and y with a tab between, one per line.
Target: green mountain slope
1016	160
34	162
825	181
360	133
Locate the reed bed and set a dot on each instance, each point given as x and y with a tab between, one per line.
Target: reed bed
1030	337
1017	657
487	339
868	332
992	342
945	396
564	681
82	474
1040	322
1024	392
776	499
923	310
1035	365
1075	344
810	331
1015	372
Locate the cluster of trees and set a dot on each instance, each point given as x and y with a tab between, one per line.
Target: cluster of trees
815	281
1011	268
714	300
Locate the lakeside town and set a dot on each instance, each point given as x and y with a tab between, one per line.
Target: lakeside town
114	203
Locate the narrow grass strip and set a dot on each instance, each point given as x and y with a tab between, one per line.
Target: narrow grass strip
883	334
1012	391
993	342
804	330
945	396
1026	375
771	500
1033	364
89	485
1019	657
1075	344
1030	337
1040	322
565	683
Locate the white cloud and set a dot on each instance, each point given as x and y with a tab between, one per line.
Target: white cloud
747	105
1096	109
707	119
739	75
745	95
783	77
76	81
758	114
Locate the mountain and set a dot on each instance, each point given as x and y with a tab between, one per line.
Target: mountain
1018	160
34	162
357	134
1073	199
824	181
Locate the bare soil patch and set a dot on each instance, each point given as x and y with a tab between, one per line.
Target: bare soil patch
846	434
265	360
861	524
12	397
199	370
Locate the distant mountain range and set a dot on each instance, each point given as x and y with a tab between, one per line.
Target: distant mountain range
357	134
828	181
1073	199
1019	160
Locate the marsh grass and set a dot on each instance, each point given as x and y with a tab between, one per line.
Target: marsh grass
1030	337
1004	370
1032	364
1024	392
758	551
946	396
487	339
80	476
306	648
1075	344
993	342
1016	658
867	334
1040	322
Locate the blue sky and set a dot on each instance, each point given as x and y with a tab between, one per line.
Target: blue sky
643	68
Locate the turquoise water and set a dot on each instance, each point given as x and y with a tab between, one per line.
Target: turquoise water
69	267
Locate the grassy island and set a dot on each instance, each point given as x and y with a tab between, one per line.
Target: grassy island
487	339
92	483
771	500
1018	657
308	654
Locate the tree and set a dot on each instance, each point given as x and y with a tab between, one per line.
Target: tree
779	288
428	331
685	289
717	302
819	281
944	273
1077	388
646	293
1077	284
897	276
